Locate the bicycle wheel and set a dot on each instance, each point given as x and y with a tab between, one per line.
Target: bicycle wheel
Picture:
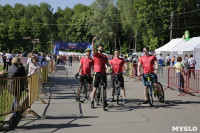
103	97
161	97
149	95
83	91
118	94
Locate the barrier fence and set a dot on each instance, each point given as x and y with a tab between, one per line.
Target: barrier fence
185	81
19	93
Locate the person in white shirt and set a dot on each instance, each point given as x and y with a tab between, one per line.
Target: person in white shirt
168	60
191	64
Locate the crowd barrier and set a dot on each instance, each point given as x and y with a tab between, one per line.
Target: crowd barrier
185	81
19	93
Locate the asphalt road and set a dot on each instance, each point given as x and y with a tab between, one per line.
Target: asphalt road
63	113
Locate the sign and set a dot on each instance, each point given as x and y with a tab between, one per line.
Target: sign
26	38
187	35
72	45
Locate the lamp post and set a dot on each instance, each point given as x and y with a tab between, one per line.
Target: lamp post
34	41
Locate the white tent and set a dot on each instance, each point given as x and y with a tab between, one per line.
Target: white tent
197	56
188	45
170	45
167	48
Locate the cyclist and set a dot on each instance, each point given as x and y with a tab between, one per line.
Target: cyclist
148	61
117	65
100	61
86	64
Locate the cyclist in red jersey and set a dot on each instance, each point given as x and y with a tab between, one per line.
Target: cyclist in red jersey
117	66
86	64
148	61
100	62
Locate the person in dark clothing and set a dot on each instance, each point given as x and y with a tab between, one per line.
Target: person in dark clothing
70	60
16	86
4	59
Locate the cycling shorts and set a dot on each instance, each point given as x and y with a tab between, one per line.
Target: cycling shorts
96	79
153	78
88	79
120	79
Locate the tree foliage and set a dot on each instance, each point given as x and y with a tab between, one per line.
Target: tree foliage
119	24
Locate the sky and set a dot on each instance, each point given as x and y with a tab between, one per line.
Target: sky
54	3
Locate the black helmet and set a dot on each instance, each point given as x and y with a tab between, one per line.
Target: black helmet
99	45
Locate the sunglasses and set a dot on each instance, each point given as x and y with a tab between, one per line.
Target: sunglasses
88	51
144	50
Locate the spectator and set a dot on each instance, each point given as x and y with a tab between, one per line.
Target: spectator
161	60
173	59
44	62
70	60
4	60
161	64
168	60
191	63
135	64
8	60
185	65
186	57
33	66
179	68
16	70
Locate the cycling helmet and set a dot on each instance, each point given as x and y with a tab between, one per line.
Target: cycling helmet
88	49
99	45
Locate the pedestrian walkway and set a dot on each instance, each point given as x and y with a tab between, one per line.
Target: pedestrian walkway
63	113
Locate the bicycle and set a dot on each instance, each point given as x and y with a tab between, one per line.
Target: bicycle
84	90
101	91
151	89
116	87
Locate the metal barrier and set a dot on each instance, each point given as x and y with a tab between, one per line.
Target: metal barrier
19	93
184	80
13	95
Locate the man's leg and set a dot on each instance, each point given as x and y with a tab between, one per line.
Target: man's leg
145	94
93	96
79	91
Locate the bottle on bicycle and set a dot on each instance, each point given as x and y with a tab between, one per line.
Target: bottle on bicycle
118	66
100	60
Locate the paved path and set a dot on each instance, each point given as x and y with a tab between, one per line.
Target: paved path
63	114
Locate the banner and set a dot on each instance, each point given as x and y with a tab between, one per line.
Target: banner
72	45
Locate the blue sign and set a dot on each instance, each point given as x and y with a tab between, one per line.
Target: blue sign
56	48
72	45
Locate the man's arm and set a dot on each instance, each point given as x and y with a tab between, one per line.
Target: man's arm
93	45
139	68
156	65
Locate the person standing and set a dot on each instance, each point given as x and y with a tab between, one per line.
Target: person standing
4	60
70	60
8	60
100	60
179	67
86	64
117	65
168	60
191	64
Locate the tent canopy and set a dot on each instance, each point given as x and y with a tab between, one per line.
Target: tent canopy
188	46
170	45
